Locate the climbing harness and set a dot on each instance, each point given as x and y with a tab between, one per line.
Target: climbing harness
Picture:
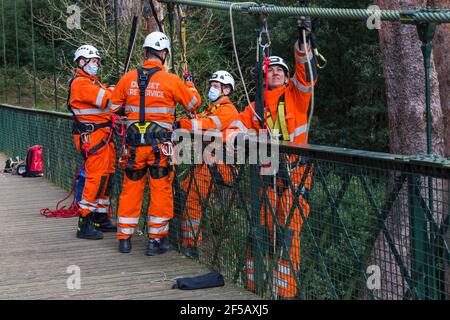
146	133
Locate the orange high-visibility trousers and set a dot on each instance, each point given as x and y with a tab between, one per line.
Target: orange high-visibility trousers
100	168
284	276
198	187
160	209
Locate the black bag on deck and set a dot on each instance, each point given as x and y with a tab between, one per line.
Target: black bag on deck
208	280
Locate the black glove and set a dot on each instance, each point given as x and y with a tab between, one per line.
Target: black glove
187	76
304	24
177	124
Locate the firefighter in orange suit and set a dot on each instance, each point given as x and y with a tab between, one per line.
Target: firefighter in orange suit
286	107
92	132
218	116
149	96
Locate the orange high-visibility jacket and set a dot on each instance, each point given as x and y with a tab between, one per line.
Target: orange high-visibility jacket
163	92
218	116
297	99
89	98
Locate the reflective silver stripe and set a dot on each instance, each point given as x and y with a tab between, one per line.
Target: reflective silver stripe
251	277
79	112
297	48
250	264
162	110
103	202
113	106
87	205
301	87
102	210
298	131
127	220
194	124
284	269
158	230
188	234
158	220
238	124
282	283
193	89
217	122
303	59
164	124
192	103
190	223
125	230
100	96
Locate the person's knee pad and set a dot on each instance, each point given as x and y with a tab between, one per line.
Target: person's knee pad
159	172
136	175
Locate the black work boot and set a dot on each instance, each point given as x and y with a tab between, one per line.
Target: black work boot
153	247
86	229
187	251
103	223
164	245
125	245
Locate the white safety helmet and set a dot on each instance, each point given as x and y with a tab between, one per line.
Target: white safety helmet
223	77
157	41
86	51
275	60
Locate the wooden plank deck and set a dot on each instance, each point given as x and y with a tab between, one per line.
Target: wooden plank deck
36	252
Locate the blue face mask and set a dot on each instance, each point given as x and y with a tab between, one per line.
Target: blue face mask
91	69
214	94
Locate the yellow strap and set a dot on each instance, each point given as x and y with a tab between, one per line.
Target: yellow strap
280	122
211	111
142	128
281	119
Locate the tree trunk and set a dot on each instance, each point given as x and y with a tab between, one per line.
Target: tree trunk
126	9
405	89
441	55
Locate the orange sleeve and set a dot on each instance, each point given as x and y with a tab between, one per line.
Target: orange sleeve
220	120
244	120
186	94
91	93
118	96
302	81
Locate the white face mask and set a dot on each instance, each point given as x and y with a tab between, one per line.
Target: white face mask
214	94
91	69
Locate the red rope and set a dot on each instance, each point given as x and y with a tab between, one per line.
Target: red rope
72	210
62	212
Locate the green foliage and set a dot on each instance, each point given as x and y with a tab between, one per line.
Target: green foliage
350	104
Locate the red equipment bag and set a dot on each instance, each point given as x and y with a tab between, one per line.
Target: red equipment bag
34	163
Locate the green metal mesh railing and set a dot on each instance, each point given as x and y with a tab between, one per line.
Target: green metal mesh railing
371	231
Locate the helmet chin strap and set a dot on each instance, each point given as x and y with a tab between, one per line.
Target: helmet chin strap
82	67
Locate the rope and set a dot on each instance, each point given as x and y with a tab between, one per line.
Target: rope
405	16
237	57
72	210
311	108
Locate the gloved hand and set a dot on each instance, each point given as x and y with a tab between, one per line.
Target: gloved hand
187	77
304	23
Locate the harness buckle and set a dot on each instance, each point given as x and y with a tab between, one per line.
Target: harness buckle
89	127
